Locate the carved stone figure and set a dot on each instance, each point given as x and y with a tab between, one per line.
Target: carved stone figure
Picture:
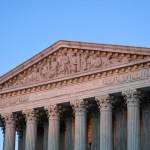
95	62
84	57
89	62
53	68
63	60
73	63
106	60
20	80
44	70
33	76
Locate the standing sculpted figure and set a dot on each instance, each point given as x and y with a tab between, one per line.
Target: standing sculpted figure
53	67
63	60
73	62
84	57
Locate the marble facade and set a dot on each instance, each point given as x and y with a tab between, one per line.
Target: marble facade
78	96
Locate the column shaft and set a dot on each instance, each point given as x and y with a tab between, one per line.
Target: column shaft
106	138
133	128
106	130
9	141
80	141
54	127
133	120
80	131
31	130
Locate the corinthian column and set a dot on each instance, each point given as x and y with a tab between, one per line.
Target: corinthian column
31	129
80	125
105	106
54	127
133	119
9	141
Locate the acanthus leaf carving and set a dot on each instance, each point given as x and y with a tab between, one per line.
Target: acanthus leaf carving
53	110
104	101
79	105
8	119
30	115
132	96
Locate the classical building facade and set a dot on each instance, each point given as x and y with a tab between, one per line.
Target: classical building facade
78	96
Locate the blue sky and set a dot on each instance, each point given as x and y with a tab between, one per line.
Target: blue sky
27	27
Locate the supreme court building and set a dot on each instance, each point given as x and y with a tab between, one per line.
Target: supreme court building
78	96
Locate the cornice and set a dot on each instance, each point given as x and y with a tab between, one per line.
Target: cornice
84	77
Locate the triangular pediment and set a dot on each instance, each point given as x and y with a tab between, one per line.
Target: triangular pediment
71	59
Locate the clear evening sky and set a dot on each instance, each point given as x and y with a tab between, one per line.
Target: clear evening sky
29	26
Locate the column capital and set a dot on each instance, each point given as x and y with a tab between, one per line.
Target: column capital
104	102
30	115
52	110
132	96
8	119
79	105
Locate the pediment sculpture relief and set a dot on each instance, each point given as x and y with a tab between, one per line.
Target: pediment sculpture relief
64	63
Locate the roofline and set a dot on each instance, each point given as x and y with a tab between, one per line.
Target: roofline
74	44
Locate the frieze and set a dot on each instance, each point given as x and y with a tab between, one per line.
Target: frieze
13	100
63	63
123	78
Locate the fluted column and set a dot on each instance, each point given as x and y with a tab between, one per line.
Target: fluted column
133	119
9	142
54	127
105	106
146	126
80	125
31	129
95	116
45	140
